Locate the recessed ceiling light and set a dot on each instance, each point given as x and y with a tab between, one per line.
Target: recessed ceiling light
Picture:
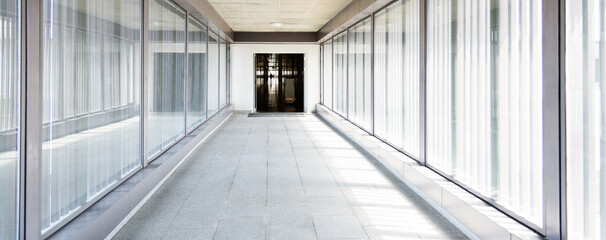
276	24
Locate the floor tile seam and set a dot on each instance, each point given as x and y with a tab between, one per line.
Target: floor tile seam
313	223
298	169
181	205
267	175
339	184
173	218
229	190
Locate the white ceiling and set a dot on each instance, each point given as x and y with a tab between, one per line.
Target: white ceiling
295	15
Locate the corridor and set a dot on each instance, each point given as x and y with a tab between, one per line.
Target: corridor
283	177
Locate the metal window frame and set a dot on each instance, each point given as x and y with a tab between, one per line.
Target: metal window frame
152	157
358	24
554	164
31	118
191	17
31	115
554	132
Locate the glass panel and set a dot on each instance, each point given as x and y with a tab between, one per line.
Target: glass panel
10	81
322	73
359	74
196	79
223	74
327	71
397	75
91	83
340	74
484	99
586	118
166	76
213	74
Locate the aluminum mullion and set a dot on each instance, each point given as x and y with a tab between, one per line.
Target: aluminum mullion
219	71
372	74
346	35
32	117
207	70
552	161
423	82
144	112
22	116
186	76
563	159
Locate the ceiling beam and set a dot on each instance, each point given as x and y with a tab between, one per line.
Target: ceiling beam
275	37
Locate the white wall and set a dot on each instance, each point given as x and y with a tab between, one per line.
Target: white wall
243	78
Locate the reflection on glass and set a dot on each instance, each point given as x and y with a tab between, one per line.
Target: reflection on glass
196	81
91	74
586	118
327	72
359	74
9	117
223	74
397	75
166	76
340	74
484	99
213	74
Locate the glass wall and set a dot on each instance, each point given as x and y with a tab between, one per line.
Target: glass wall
397	75
213	74
91	85
223	74
586	118
166	76
360	74
340	74
10	81
196	71
484	99
327	68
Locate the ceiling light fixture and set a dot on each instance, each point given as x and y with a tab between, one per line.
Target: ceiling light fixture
277	23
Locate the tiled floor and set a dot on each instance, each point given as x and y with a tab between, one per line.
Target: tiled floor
283	178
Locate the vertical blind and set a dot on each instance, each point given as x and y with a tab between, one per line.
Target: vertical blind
9	117
484	92
91	71
91	76
360	74
484	99
397	75
586	118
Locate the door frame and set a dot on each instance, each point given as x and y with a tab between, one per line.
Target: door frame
254	78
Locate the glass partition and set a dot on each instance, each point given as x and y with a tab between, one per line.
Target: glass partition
340	74
397	75
484	99
91	86
586	118
223	74
213	74
360	90
327	69
196	71
166	91
10	87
